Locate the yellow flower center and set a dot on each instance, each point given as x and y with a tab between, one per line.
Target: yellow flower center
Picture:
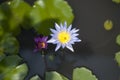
41	45
64	37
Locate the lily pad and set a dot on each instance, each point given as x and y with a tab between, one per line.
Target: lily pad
2	56
17	73
116	1
46	12
9	44
9	69
36	77
108	25
83	74
20	10
117	57
2	15
118	39
54	76
1	31
8	63
15	12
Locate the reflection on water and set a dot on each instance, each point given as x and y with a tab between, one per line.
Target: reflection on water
103	66
96	51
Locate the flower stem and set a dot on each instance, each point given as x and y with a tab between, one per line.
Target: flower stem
45	62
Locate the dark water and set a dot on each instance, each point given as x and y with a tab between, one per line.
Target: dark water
96	51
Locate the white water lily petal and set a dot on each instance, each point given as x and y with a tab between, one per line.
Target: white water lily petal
70	47
75	35
63	45
74	30
54	31
57	27
51	41
61	26
52	35
78	40
58	46
69	28
65	25
64	36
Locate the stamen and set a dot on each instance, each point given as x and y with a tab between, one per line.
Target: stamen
64	37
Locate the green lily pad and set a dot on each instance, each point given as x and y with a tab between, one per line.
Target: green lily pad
2	56
20	10
46	12
15	12
9	69
54	76
9	44
8	63
117	57
17	73
1	31
2	15
118	39
108	25
36	77
116	1
83	74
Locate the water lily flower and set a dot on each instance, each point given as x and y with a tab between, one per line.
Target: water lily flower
41	43
64	36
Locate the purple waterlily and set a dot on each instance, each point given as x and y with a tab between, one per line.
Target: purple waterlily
40	43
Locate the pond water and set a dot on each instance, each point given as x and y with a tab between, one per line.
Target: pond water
96	51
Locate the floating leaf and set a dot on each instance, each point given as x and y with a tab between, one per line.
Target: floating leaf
54	76
17	73
2	56
9	44
46	12
8	63
5	14
83	74
117	57
36	77
9	69
5	9
2	15
20	10
15	12
116	1
108	25
1	31
118	39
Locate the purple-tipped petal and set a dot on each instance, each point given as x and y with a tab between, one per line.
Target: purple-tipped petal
40	43
36	40
45	38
